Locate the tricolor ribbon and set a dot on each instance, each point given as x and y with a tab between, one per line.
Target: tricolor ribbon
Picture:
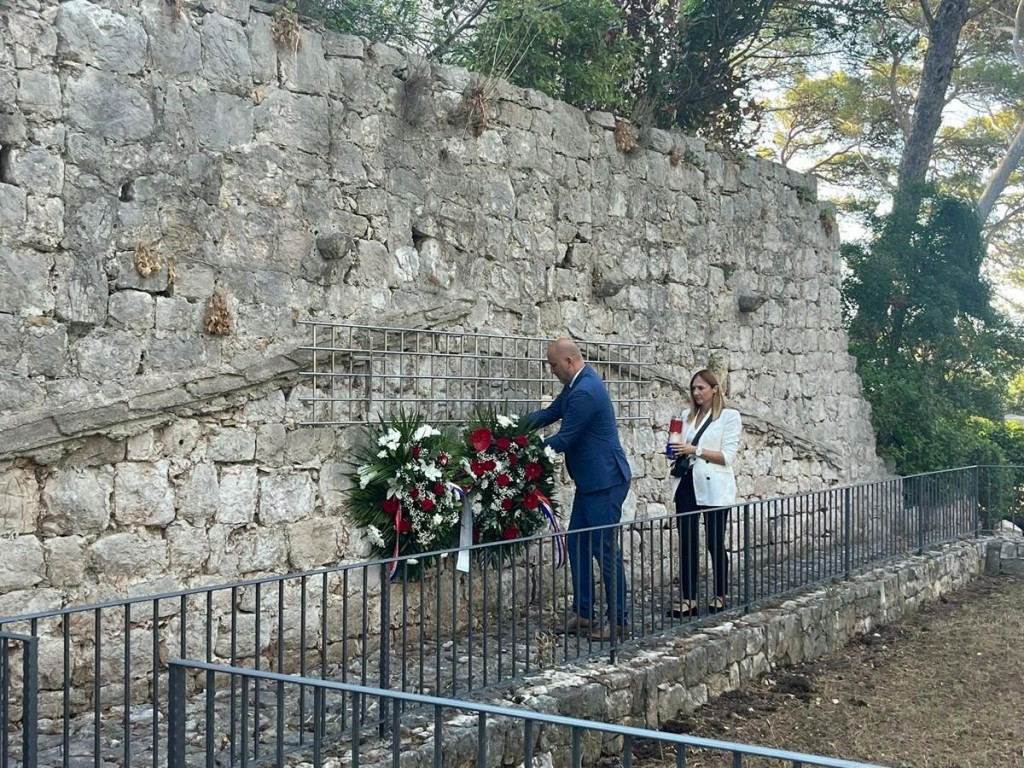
549	512
393	571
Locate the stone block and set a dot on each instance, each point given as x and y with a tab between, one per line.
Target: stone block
46	349
173	40
180	438
1013	567
19	502
231	444
313	542
24	281
262	48
237	495
45	222
13	207
108	106
131	310
294	120
177	353
305	70
82	295
21	566
12	123
198	493
286	497
104	355
37	170
225	50
65	560
271	441
128	555
220	120
188	548
142	494
91	34
78	501
143	447
346	46
39	94
11	341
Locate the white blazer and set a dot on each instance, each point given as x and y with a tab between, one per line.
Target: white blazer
714	485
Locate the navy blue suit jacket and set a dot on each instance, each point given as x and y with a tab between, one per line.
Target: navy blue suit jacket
588	436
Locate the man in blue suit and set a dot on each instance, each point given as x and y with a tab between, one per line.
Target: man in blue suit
596	462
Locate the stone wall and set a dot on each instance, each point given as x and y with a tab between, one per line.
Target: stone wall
156	157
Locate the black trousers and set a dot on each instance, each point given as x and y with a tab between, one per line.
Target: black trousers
689	538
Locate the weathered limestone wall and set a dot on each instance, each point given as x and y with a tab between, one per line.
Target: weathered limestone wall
154	154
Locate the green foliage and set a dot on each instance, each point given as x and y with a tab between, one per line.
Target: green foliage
394	21
933	353
571	51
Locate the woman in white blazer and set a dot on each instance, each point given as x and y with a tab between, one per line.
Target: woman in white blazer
703	479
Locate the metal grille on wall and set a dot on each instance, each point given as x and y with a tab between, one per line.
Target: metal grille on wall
359	373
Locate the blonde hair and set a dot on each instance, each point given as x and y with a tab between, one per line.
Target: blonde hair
717	402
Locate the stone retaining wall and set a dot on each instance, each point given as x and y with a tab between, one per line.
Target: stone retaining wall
651	685
155	155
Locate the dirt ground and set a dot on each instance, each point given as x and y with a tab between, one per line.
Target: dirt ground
944	688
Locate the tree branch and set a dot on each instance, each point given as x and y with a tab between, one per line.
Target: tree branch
1001	176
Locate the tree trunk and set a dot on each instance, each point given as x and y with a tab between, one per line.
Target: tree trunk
998	180
944	35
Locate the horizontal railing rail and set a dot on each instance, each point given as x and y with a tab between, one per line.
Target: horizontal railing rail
289	731
439	631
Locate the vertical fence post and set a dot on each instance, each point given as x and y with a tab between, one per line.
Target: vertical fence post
847	531
746	558
30	711
176	716
976	506
919	498
385	649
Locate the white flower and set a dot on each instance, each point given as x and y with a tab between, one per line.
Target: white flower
430	471
413	561
507	421
366	474
382	454
424	431
438	519
550	452
390	439
373	534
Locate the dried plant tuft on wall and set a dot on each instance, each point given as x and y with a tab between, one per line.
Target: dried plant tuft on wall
146	261
218	316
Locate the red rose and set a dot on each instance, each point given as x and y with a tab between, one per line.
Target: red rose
476	535
531	501
533	470
391	506
480	439
508	504
414	493
521	440
511	532
442	459
404	525
503	480
513	459
478	467
416	451
503	444
490	465
427	504
438	489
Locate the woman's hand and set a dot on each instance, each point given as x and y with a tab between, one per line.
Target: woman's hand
681	449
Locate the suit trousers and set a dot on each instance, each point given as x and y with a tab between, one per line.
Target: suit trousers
689	537
602	507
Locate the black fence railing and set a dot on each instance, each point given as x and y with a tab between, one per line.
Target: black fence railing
19	695
102	673
253	734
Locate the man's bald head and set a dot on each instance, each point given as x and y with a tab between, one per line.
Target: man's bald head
565	359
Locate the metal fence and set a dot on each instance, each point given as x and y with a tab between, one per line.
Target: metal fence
358	373
102	678
18	703
239	734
